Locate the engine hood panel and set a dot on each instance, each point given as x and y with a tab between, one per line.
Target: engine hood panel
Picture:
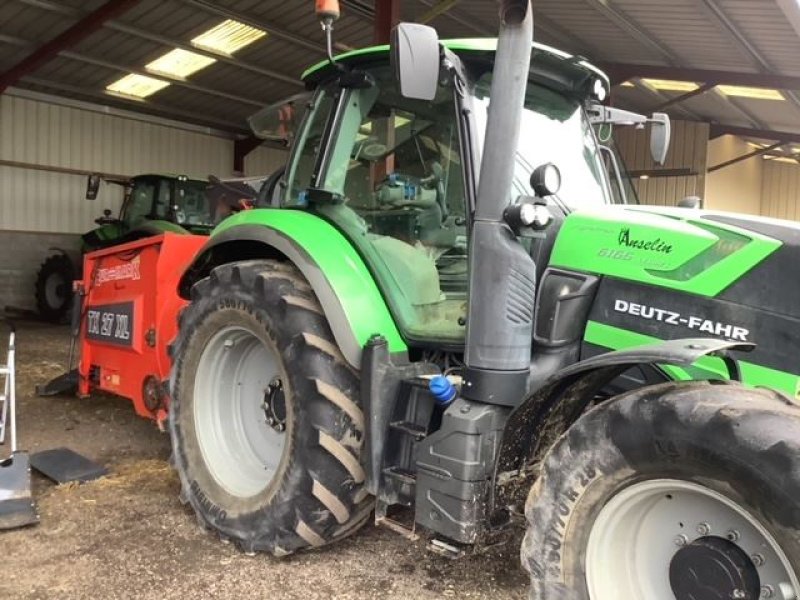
686	250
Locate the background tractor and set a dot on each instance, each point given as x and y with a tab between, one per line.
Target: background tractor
152	205
449	314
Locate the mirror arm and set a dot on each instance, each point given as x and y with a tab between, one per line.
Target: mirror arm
599	114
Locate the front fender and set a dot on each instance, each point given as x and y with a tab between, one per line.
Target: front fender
550	409
349	296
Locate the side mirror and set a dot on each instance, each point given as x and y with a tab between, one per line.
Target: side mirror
92	186
415	58
693	202
660	134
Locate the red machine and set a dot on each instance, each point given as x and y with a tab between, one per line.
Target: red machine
129	315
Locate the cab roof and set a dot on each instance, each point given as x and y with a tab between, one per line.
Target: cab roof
550	64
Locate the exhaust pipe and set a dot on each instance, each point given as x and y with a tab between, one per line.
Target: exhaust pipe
502	275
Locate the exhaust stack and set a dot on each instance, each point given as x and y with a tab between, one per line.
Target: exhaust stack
502	275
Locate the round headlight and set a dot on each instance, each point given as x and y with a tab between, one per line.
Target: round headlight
546	180
599	90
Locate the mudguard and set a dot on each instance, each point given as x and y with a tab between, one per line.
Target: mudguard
346	289
551	408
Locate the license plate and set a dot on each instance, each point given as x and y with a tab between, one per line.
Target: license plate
110	323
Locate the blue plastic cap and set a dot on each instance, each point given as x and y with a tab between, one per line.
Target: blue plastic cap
442	389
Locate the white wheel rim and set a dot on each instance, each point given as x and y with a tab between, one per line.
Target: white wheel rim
241	451
637	533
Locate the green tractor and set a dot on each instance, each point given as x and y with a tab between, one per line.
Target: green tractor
152	204
449	322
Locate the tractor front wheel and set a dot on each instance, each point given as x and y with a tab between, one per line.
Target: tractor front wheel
676	491
265	419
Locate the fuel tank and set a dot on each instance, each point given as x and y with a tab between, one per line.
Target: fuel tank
667	273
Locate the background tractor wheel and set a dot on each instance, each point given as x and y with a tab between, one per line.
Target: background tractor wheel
54	288
676	491
265	419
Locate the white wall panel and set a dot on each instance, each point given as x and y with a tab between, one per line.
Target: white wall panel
51	135
687	151
738	186
780	197
264	160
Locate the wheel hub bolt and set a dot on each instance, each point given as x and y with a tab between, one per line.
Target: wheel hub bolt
757	559
767	591
733	535
681	540
703	529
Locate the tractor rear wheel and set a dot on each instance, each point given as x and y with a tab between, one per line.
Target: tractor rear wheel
675	491
265	419
54	288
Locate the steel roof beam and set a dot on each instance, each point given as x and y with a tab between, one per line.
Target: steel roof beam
387	15
633	29
177	81
792	12
156	108
126	69
542	24
441	7
457	17
706	87
747	156
733	31
787	137
224	58
241	148
272	30
644	37
621	72
166	41
663	99
74	34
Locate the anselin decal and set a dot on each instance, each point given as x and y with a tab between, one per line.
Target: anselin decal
654	245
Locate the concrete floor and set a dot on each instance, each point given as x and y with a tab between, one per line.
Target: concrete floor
127	535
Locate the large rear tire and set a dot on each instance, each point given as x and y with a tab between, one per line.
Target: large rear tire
54	288
687	491
265	419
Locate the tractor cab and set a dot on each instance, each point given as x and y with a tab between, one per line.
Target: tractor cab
399	175
152	204
179	200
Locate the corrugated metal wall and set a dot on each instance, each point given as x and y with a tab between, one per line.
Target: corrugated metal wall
688	150
41	208
50	135
263	161
780	195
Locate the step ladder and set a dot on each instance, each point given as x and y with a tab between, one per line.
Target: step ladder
17	507
8	423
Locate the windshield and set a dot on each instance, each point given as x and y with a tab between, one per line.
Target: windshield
179	201
553	129
192	206
393	182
